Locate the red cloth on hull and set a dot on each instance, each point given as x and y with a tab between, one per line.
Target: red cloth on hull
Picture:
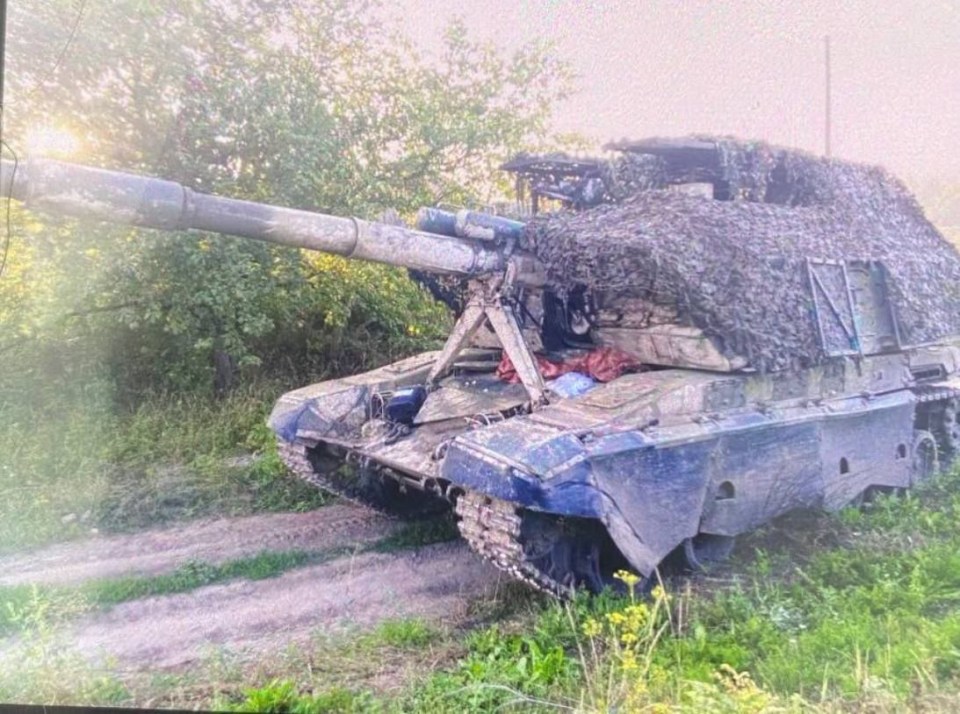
604	364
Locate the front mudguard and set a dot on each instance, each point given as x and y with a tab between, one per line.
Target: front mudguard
649	500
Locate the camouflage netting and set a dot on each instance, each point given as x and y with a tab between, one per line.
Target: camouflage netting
736	268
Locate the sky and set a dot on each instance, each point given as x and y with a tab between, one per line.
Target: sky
751	69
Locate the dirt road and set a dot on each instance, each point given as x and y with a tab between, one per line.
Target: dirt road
171	632
212	541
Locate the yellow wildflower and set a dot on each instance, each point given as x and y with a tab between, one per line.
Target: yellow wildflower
630	579
628	661
617	619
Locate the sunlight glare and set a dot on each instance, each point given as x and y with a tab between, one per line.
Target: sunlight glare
53	141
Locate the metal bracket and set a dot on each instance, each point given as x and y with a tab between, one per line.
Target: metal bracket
473	317
503	319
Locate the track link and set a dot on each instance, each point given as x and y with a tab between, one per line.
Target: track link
492	528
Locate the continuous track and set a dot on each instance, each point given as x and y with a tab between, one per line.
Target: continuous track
493	529
294	457
368	488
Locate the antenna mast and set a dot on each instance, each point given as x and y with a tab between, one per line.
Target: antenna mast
826	134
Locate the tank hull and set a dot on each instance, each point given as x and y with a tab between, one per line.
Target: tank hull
656	458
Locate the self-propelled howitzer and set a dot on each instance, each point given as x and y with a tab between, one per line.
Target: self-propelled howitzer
705	335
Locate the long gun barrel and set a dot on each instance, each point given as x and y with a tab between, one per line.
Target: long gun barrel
83	192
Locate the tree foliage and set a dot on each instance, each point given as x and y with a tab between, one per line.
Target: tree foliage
941	201
317	105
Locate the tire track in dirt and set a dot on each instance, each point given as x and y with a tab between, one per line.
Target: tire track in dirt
210	541
249	618
252	618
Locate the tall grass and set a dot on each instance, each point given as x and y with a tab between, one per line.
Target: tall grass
44	671
73	464
869	622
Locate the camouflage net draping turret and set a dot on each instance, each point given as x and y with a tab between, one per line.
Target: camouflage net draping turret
736	268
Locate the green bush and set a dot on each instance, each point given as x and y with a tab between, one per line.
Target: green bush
75	463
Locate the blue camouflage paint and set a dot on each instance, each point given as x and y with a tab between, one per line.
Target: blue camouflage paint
652	482
655	488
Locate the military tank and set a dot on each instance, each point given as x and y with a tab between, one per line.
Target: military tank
701	335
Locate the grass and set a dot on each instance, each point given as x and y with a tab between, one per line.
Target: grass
15	600
401	634
73	465
855	612
267	564
283	696
45	672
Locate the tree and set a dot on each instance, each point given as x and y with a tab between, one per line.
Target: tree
318	105
941	201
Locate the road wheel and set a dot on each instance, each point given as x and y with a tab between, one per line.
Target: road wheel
706	550
926	457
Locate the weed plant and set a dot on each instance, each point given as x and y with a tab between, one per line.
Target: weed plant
45	671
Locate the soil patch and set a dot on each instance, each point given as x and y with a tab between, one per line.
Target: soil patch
252	618
211	541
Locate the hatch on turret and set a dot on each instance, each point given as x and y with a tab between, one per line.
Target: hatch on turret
851	307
